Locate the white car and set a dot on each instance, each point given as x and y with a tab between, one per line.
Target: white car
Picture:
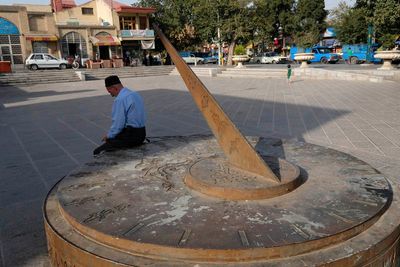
268	57
44	61
192	59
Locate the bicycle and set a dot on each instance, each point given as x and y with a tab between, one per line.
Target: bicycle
75	65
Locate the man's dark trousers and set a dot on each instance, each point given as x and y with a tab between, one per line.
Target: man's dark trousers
127	138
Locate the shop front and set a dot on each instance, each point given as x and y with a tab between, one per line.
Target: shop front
136	45
10	43
74	45
106	46
44	44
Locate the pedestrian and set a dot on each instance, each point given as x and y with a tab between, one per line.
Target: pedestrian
128	118
349	55
289	73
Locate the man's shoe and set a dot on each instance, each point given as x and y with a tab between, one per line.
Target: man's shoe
98	152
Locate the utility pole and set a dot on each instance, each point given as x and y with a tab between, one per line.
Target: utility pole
219	46
369	38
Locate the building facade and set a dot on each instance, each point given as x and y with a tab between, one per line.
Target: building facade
97	29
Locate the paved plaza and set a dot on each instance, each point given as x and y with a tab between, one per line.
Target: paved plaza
48	130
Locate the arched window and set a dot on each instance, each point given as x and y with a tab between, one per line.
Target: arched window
74	44
10	44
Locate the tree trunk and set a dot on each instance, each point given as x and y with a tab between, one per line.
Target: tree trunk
230	52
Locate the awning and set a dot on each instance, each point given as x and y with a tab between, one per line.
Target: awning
104	40
147	35
150	44
42	38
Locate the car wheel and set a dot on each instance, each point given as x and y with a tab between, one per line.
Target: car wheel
200	62
324	60
63	66
258	61
273	62
33	67
353	60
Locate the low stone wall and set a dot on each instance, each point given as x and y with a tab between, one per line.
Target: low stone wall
320	74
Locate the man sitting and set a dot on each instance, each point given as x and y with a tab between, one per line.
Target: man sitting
128	118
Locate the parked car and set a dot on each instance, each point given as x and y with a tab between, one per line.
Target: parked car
267	58
208	57
322	54
43	61
191	58
359	53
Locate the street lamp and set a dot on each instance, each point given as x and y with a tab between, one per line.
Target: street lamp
280	29
282	37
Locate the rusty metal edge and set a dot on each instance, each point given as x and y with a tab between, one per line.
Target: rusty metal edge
216	255
62	252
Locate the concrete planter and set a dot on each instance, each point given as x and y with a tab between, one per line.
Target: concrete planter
303	57
387	57
239	59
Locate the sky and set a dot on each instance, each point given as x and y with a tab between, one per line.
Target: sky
329	4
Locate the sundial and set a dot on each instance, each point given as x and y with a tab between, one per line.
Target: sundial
223	200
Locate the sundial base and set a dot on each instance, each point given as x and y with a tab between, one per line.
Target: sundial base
216	177
133	208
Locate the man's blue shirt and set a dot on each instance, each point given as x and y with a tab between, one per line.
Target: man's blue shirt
127	110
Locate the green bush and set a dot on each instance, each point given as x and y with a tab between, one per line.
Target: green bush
240	50
387	41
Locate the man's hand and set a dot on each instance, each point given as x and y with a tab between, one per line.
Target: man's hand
104	138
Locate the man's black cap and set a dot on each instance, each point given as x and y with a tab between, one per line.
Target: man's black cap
112	80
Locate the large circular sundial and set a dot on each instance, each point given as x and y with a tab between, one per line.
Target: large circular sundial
223	200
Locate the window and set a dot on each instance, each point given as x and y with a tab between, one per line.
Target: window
49	57
127	23
143	23
38	57
40	47
37	23
87	11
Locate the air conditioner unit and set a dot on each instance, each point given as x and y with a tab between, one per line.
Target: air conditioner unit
105	23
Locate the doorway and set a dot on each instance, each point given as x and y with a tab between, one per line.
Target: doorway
73	49
104	52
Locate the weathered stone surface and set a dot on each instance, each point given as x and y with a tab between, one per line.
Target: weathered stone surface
136	202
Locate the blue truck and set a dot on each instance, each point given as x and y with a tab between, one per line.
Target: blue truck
359	53
322	54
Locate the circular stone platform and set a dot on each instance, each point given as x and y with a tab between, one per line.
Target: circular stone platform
133	208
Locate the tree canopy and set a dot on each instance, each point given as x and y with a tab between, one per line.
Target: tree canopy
382	15
190	23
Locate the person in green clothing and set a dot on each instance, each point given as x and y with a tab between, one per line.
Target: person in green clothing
289	72
349	54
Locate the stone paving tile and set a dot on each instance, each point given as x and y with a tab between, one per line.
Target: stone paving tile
2	261
48	130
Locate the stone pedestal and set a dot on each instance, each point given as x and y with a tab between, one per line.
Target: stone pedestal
239	59
135	208
387	57
304	58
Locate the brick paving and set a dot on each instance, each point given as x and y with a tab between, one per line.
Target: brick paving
48	130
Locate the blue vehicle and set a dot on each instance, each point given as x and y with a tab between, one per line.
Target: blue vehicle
322	54
358	53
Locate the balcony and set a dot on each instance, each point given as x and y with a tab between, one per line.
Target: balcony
136	34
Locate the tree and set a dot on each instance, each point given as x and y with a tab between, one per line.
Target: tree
386	21
175	17
230	16
383	15
309	21
352	27
336	15
273	18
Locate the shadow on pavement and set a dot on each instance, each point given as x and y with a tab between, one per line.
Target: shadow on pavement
43	142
